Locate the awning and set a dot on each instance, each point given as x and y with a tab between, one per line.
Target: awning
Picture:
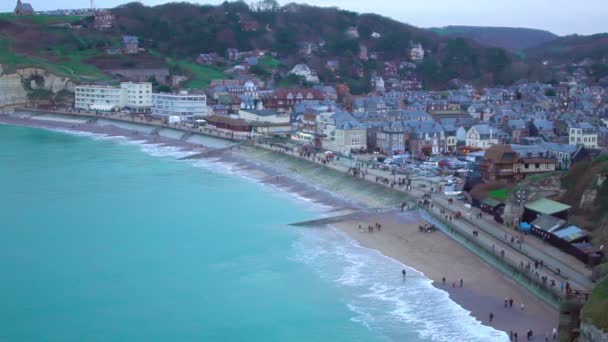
103	107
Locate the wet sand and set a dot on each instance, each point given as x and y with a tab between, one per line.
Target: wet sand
434	254
437	256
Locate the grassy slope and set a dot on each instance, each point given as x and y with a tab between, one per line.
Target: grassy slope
61	61
596	310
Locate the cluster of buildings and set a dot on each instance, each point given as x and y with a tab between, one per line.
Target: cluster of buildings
139	98
512	132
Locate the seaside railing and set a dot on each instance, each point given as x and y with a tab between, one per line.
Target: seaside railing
498	258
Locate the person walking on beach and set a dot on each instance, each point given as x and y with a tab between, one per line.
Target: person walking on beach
510	335
460	282
515	336
443	280
404	273
510	303
491	317
554	334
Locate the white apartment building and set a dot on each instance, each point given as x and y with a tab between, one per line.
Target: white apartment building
181	104
138	95
583	134
135	96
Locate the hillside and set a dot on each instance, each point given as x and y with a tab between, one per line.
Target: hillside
586	187
177	33
508	38
572	48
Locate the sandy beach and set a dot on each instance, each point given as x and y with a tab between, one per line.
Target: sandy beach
434	254
438	256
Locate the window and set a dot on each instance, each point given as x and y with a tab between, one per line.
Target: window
537	166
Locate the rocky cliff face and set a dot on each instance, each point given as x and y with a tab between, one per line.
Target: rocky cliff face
591	333
14	88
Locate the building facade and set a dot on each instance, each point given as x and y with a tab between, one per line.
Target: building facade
134	96
504	163
138	95
583	133
182	104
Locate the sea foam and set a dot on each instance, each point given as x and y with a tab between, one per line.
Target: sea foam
380	299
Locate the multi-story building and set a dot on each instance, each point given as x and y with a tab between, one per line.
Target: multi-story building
96	97
134	96
512	163
103	20
483	136
416	52
182	104
583	133
138	95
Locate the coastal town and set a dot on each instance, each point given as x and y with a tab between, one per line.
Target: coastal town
515	173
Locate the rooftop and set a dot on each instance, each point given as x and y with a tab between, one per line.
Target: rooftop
547	206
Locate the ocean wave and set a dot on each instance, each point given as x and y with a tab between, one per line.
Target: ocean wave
378	296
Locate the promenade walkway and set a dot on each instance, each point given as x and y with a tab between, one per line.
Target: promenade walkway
489	232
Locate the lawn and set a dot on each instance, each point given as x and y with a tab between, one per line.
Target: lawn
596	308
202	75
500	194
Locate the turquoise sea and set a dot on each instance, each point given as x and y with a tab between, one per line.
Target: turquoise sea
104	239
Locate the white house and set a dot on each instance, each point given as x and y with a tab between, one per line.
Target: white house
583	134
181	104
341	132
416	52
304	71
377	83
483	136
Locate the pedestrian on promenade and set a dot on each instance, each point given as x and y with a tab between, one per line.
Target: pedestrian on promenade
554	334
460	282
491	317
515	336
506	302
404	273
443	280
510	303
522	306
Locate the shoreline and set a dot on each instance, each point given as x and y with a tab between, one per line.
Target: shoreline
437	256
477	298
